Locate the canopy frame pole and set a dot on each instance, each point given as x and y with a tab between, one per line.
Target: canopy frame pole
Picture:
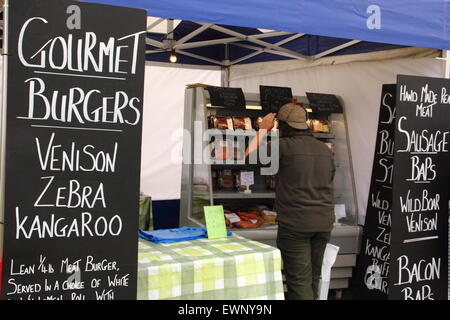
257	41
205	43
182	45
154	43
261	50
200	57
225	77
199	44
170	29
258	49
150	51
335	49
183	66
193	34
446	58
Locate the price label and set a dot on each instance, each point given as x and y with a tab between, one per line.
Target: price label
215	222
247	178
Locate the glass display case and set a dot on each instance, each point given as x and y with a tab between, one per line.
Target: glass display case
205	158
214	140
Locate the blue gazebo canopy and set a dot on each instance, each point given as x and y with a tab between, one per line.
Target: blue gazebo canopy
225	32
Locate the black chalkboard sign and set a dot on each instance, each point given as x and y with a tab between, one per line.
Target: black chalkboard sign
321	102
372	272
418	269
74	109
273	98
227	97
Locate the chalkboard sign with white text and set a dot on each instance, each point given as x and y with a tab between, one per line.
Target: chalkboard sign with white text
227	97
73	140
322	102
418	269
404	244
372	270
273	98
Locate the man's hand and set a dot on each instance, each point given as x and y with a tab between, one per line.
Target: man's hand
265	125
267	122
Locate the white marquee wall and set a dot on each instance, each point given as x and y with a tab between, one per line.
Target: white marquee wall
163	116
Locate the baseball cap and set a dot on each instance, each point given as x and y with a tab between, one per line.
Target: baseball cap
294	115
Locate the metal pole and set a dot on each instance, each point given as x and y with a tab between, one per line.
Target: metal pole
3	120
446	58
170	29
225	76
226	69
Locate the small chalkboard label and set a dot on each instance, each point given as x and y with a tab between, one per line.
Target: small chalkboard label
273	98
227	97
322	102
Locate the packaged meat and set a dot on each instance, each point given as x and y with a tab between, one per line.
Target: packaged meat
238	151
316	126
326	127
227	149
237	181
322	126
269	217
248	215
249	220
220	149
270	182
225	180
242	123
222	123
232	217
243	219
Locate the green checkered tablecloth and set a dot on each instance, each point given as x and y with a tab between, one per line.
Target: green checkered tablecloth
221	269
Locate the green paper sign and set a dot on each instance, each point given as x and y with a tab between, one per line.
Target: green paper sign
215	222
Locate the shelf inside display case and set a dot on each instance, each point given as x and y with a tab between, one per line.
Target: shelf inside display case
231	133
220	164
320	135
243	195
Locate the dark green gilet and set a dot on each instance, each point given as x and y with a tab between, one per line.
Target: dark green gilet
304	186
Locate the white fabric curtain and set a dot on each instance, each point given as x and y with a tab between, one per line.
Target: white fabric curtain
162	116
359	85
